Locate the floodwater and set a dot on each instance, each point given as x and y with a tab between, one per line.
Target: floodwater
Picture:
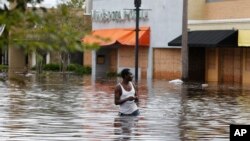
74	108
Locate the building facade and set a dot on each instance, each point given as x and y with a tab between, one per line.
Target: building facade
215	53
228	63
163	20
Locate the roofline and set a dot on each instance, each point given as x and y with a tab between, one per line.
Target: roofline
220	21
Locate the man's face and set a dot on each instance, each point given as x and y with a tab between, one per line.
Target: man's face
129	76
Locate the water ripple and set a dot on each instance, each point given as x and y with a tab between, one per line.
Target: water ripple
54	108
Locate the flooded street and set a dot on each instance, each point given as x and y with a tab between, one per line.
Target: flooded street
52	108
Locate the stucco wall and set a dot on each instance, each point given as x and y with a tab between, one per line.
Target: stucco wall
196	9
165	18
229	9
224	9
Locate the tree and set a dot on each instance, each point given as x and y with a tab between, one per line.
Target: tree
75	3
59	29
65	27
17	18
20	22
16	14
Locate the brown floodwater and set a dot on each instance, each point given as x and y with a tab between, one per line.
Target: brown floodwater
75	108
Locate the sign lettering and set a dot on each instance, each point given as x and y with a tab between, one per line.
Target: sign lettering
117	16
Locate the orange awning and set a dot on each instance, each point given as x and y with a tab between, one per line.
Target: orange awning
130	39
124	36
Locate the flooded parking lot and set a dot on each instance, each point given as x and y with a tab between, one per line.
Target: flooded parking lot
53	108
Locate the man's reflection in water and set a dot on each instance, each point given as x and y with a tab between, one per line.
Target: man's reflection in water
124	127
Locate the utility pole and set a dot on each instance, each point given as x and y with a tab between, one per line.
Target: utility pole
137	10
184	42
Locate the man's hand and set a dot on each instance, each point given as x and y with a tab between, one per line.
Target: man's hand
131	98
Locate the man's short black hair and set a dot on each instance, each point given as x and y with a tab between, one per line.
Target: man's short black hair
125	72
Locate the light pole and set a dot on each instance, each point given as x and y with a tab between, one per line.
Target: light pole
137	10
184	42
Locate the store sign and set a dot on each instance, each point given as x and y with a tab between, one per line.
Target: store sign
117	16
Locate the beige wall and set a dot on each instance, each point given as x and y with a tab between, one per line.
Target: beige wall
196	9
227	9
230	9
167	63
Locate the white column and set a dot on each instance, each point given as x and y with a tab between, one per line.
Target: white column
48	58
33	59
93	72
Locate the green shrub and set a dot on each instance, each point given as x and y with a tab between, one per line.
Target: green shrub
71	67
51	67
87	69
76	68
33	68
80	70
3	68
111	74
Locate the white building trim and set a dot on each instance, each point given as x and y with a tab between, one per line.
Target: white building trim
222	21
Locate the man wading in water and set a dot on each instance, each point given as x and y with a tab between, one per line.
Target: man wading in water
126	96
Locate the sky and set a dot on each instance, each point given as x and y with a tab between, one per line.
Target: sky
45	3
50	3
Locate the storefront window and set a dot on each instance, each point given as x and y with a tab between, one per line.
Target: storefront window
100	59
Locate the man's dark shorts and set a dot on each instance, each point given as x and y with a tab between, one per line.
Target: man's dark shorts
135	113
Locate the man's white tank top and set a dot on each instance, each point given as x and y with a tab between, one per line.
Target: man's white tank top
128	107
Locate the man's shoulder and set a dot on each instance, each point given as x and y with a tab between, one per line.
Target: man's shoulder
132	83
118	86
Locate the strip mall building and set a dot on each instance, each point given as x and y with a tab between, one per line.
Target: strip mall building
114	20
218	39
220	29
